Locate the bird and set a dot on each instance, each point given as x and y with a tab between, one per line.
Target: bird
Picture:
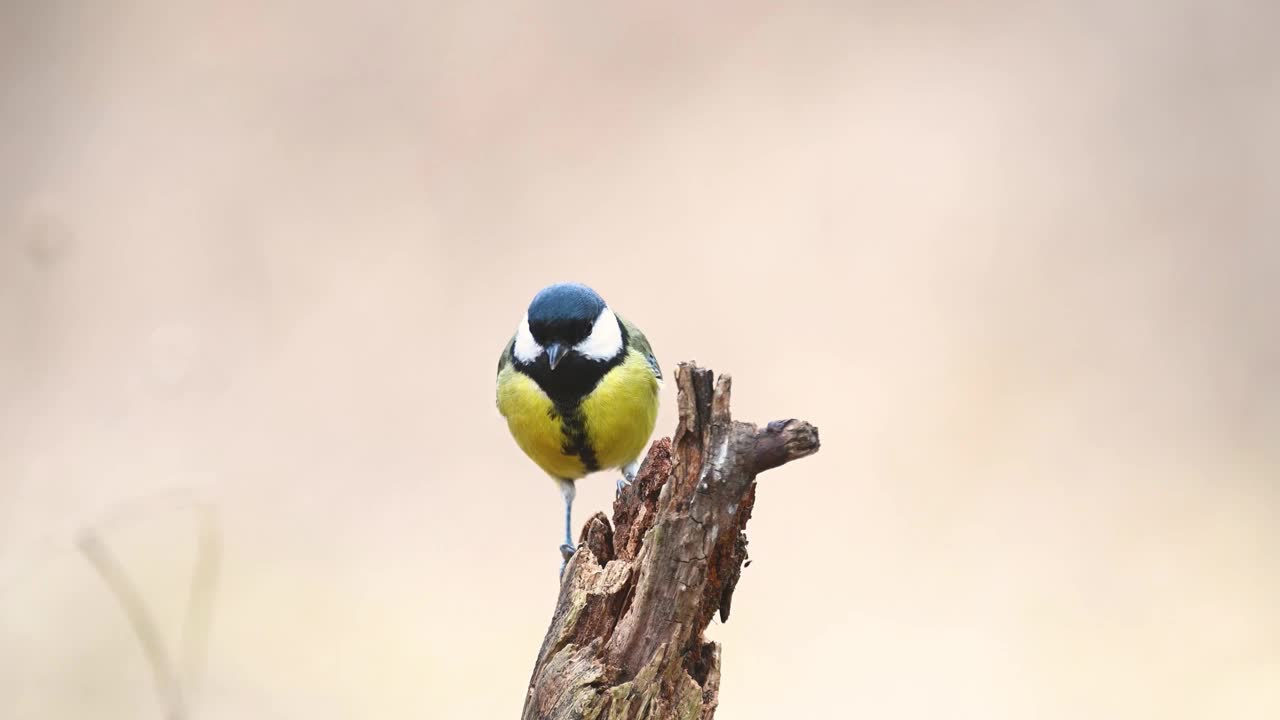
578	386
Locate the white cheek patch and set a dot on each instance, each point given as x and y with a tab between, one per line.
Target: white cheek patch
605	340
527	349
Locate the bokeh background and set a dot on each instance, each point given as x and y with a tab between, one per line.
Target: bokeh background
1020	262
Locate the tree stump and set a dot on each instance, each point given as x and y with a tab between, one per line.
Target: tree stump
626	641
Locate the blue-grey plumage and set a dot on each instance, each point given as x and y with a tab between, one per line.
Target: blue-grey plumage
578	386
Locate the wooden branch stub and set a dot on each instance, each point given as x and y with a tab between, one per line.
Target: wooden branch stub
625	641
782	441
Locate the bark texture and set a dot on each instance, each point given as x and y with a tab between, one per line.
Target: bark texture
625	641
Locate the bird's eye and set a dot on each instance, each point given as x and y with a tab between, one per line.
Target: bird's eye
539	334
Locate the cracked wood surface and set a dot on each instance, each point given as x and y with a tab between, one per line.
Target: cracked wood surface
626	639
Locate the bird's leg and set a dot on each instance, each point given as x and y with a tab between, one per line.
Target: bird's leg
567	490
628	475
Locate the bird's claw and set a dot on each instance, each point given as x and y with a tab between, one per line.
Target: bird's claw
566	551
623	483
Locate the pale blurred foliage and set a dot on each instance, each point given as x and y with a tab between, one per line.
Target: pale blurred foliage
1020	262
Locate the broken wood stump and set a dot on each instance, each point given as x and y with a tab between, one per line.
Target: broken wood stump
625	641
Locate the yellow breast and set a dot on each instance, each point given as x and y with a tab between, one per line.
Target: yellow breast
619	415
535	424
621	411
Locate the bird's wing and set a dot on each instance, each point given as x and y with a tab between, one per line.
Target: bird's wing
505	357
641	344
504	361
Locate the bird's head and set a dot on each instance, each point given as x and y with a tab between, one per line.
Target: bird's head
568	320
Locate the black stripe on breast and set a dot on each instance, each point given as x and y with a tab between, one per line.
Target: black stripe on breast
574	428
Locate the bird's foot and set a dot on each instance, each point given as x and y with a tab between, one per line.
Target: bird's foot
566	552
628	475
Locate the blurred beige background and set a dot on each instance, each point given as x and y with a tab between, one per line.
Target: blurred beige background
1019	262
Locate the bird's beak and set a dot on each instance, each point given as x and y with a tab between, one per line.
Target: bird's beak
555	351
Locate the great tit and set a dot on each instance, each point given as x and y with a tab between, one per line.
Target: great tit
578	386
